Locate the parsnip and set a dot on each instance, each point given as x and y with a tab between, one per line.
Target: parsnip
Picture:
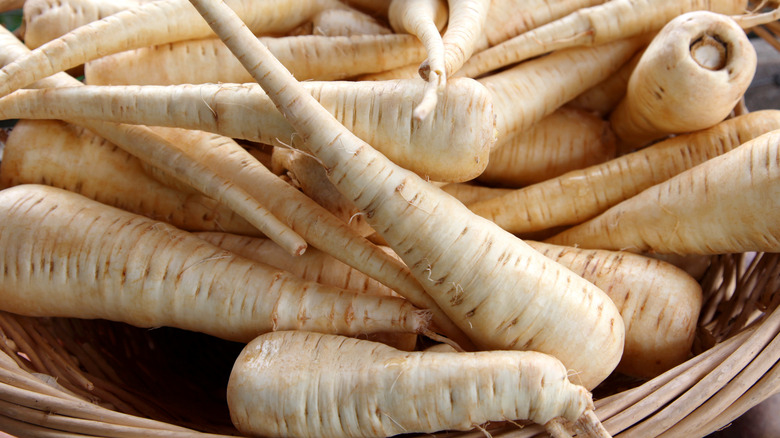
610	21
568	139
375	390
65	255
207	60
726	204
582	194
307	173
525	94
347	22
450	145
151	148
690	77
152	23
660	303
72	158
45	20
502	293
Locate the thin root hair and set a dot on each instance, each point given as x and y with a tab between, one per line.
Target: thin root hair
301	151
354	216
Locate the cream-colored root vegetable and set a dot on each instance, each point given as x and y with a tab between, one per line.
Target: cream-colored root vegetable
582	194
469	192
506	20
690	77
310	176
313	265
568	139
156	151
602	98
319	227
149	24
727	204
660	303
203	61
502	293
449	145
347	22
276	389
45	20
70	157
66	255
599	24
525	94
424	19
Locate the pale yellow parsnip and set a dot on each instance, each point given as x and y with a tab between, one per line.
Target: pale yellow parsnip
73	158
502	293
449	145
375	390
724	205
66	255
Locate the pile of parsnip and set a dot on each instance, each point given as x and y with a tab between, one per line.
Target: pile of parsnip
419	215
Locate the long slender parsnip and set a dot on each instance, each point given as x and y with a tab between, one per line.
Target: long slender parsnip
724	205
506	20
501	292
66	255
70	157
207	60
347	22
45	20
319	227
610	21
672	88
525	94
148	24
154	150
660	303
375	390
449	145
582	194
313	265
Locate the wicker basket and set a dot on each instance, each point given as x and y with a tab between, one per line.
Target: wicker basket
69	377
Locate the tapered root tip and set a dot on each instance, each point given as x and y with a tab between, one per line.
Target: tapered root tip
589	425
434	88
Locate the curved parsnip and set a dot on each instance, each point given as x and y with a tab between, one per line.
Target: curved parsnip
610	21
276	388
582	194
568	139
320	228
690	77
525	94
313	265
506	20
156	151
152	23
65	255
424	19
660	303
45	20
203	61
347	22
70	157
502	293
728	204
450	145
